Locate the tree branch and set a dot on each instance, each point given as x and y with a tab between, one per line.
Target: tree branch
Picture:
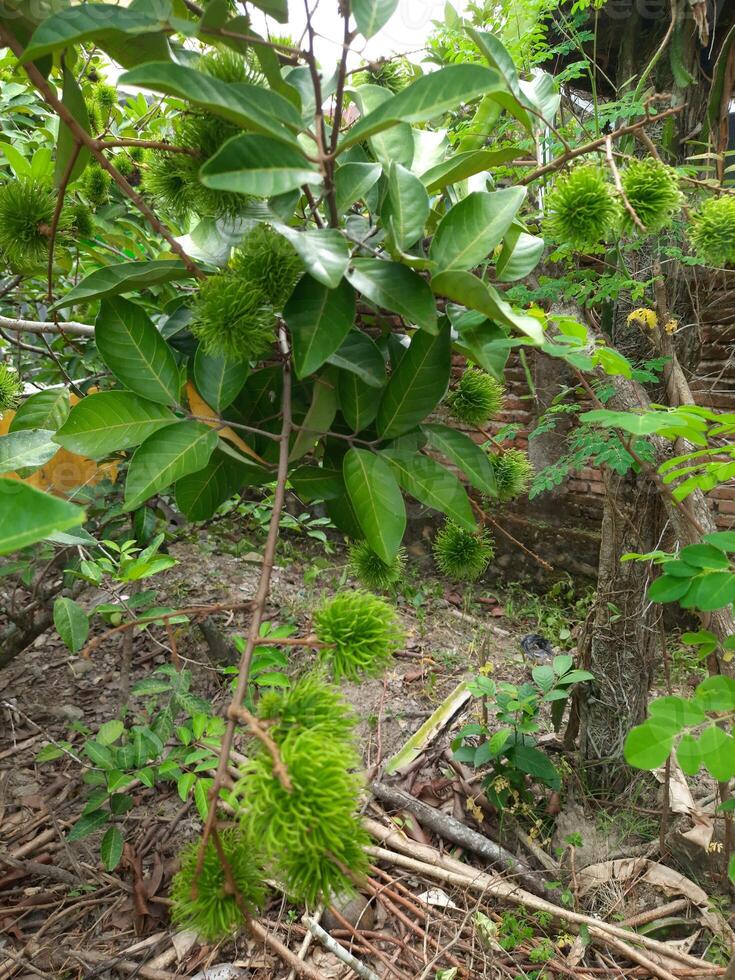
16	325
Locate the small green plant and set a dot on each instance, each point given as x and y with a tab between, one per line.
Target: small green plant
460	554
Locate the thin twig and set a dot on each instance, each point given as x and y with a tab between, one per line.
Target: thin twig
261	733
619	184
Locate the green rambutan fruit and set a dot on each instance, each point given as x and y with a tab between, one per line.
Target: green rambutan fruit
310	835
310	703
82	219
202	902
362	632
232	317
477	397
105	99
652	189
95	184
713	231
513	473
26	213
136	153
392	73
124	164
229	66
581	209
460	554
371	570
11	387
171	179
270	262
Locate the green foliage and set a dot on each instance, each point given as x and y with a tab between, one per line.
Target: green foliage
513	473
11	387
476	398
308	835
26	212
96	184
202	901
362	632
460	554
652	190
234	311
371	570
581	209
712	231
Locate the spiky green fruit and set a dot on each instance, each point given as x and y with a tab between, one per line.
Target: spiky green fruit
96	183
371	570
310	835
310	703
477	397
270	262
460	554
393	73
105	98
513	473
652	189
124	164
580	208
232	317
713	231
11	387
26	214
362	632
82	220
203	902
229	66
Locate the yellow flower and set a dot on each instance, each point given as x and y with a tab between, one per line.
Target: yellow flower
671	326
644	317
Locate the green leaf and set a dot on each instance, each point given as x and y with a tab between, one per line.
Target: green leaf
325	252
87	824
125	277
459	166
72	623
99	755
678	711
27	515
716	694
28	448
44	410
649	745
425	98
464	453
371	15
358	401
432	484
251	107
359	354
518	259
66	146
165	457
99	22
406	208
717	750
110	732
667	588
562	663
218	380
688	755
199	494
536	764
317	483
111	420
395	144
469	232
705	556
352	181
377	501
724	540
394	287
417	385
135	352
321	413
469	291
258	165
319	320
711	591
201	796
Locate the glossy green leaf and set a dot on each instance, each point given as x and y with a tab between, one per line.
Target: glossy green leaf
377	501
251	107
352	181
470	230
516	261
66	146
317	483
71	622
395	143
218	380
167	456
87	824
103	423
417	385
358	401
406	208
321	413
394	287
724	540
678	711
27	515
125	277
199	494
425	98
111	848
29	448
324	251
359	354
688	755
319	320
110	732
135	352
667	588
705	555
649	745
465	454
533	761
717	750
371	15
710	591
469	291
459	166
258	165
45	410
716	694
433	485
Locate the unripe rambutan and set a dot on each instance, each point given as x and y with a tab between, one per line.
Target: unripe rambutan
513	473
713	231
95	184
310	703
580	209
477	397
460	554
11	387
26	213
652	189
362	632
371	570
